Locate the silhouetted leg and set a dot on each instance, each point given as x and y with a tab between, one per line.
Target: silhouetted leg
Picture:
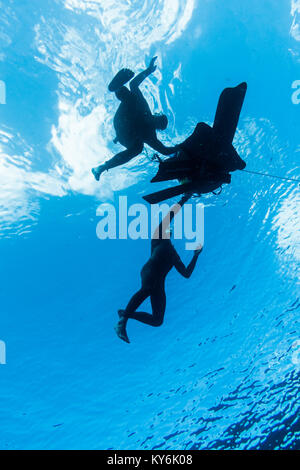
133	304
119	159
123	157
158	303
137	300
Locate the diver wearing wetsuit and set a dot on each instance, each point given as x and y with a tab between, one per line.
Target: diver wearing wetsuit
134	123
163	258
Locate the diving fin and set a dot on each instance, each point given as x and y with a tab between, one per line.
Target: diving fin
228	112
165	194
201	187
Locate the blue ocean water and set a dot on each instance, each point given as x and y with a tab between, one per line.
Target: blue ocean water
223	370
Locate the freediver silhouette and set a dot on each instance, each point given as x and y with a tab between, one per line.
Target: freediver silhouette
134	123
153	274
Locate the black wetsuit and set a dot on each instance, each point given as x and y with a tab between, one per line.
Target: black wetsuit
163	258
134	125
133	121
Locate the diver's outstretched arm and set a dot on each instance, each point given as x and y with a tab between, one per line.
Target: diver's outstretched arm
156	145
187	271
160	231
135	83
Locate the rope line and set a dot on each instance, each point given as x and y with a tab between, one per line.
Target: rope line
272	176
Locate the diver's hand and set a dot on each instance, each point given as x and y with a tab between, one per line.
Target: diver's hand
152	66
198	250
